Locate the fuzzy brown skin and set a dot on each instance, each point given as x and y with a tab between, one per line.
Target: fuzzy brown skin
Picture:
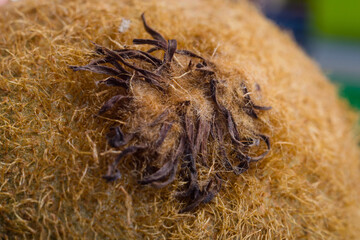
54	152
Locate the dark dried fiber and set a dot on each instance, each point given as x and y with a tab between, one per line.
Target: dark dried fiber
98	69
138	54
234	133
172	45
160	118
115	82
111	103
156	43
113	172
117	138
188	53
169	169
192	144
152	32
249	105
162	135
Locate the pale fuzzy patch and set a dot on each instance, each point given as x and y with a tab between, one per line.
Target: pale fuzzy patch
124	26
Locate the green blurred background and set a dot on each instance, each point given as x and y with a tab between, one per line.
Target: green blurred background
329	30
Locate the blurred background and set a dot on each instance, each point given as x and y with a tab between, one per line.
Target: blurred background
329	30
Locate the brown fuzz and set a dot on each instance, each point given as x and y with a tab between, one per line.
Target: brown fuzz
190	149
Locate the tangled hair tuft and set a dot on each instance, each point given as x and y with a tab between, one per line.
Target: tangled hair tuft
194	131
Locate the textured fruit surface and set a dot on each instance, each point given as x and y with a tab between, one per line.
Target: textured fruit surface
53	151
